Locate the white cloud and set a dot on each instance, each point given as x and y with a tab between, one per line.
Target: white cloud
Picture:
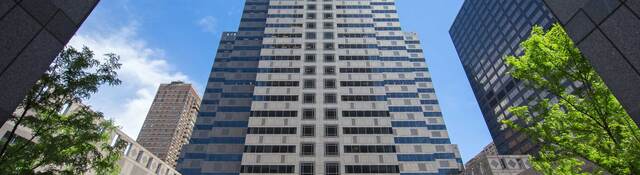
208	24
143	70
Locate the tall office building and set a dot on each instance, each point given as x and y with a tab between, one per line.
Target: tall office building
319	87
484	32
170	121
32	33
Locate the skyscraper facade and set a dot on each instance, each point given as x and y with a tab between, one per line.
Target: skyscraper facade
170	121
484	32
320	87
32	33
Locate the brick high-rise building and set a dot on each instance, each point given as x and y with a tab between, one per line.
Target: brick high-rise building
32	33
170	121
320	87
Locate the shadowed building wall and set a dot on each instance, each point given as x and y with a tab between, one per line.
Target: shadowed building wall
608	34
484	32
32	33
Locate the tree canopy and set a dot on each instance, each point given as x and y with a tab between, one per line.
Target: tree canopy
62	141
581	124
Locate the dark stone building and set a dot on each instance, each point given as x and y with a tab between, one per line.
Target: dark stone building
608	34
32	33
484	32
487	30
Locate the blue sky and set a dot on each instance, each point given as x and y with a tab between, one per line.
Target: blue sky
164	40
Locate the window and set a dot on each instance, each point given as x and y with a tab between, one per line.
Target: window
310	35
328	35
308	149
274	114
311	16
149	163
365	113
329	84
312	25
330	98
308	130
329	46
327	25
329	70
310	58
329	58
308	114
328	16
275	98
261	169
364	98
271	130
278	83
311	7
309	83
310	46
367	130
270	149
310	70
307	169
139	156
327	7
330	114
332	168
331	149
369	169
309	98
369	149
330	131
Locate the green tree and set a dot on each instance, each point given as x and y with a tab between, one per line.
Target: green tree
64	142
580	124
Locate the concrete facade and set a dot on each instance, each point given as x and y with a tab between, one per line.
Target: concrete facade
32	33
170	120
484	32
488	162
606	31
137	160
499	165
320	87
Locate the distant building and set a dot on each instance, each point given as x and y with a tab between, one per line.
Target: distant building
488	162
170	120
32	33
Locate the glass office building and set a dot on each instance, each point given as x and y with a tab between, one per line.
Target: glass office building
320	87
484	32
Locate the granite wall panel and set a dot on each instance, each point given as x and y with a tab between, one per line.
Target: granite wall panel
32	33
607	33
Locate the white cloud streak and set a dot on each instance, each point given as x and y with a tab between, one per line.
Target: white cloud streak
208	24
143	69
